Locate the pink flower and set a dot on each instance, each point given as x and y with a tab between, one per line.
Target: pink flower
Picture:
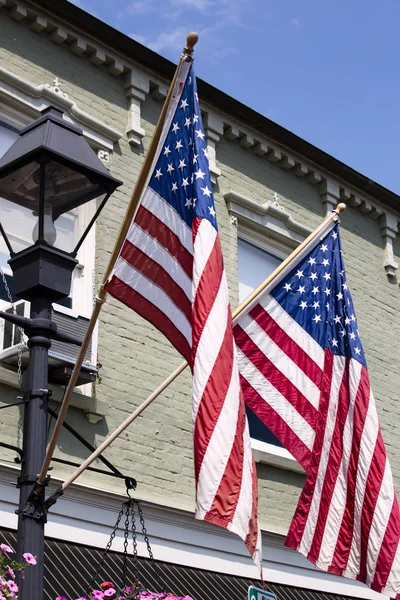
61	598
10	572
109	592
29	558
81	598
6	549
97	595
12	586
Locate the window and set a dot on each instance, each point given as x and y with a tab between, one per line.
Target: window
254	265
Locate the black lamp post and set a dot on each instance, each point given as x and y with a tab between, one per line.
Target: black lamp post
48	172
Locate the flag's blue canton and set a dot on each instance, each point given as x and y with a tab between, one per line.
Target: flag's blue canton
182	175
316	295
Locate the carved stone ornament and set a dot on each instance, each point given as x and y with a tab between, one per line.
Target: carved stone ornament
269	219
56	87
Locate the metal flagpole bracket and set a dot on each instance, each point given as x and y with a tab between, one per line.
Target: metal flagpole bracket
35	507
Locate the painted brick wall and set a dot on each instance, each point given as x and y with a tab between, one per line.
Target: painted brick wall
157	449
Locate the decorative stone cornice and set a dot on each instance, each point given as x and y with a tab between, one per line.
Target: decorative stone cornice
139	82
214	128
28	99
389	229
365	205
137	86
269	219
330	194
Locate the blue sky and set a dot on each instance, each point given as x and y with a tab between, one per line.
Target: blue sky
325	69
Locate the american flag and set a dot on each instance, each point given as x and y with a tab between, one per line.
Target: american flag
303	372
171	272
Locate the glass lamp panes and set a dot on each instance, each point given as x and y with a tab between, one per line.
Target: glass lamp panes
20	221
254	265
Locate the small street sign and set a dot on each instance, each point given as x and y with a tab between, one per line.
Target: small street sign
258	594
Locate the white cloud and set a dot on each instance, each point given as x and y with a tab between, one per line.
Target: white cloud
139	38
169	40
139	7
295	22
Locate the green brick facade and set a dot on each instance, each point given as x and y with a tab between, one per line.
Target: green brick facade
157	448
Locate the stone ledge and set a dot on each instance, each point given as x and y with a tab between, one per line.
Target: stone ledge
95	410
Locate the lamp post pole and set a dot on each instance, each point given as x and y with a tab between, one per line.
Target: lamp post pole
49	171
31	528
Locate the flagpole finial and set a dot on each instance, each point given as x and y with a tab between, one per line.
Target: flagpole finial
191	41
340	208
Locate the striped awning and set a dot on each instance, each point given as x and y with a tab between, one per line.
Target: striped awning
69	569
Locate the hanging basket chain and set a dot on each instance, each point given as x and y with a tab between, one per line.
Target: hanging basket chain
128	505
21	345
128	511
135	564
106	551
149	550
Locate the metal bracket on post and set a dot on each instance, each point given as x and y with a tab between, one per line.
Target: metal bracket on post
35	507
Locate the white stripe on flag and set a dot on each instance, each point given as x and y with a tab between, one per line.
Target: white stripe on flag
209	345
292	329
203	247
366	452
394	575
170	217
337	503
218	450
242	516
281	361
276	400
156	295
339	363
157	252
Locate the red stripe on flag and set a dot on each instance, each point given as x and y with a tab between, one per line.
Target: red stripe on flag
287	344
225	501
333	465
251	540
207	290
343	546
166	237
153	271
388	548
299	521
128	296
281	383
213	398
372	491
276	424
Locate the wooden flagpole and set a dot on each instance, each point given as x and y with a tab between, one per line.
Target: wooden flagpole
102	294
332	217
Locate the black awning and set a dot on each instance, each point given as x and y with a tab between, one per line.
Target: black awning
69	569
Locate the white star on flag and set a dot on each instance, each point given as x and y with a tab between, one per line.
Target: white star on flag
206	191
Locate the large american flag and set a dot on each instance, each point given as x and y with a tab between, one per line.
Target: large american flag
303	373
171	272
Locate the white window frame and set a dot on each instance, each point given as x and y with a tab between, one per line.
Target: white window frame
271	228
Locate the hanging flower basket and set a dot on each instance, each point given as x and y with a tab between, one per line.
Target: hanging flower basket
108	591
131	510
